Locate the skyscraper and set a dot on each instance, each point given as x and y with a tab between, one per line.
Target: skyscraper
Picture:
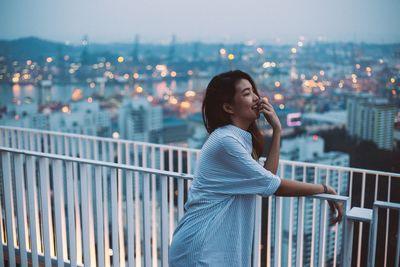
371	119
140	121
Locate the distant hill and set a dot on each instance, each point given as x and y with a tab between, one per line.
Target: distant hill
36	48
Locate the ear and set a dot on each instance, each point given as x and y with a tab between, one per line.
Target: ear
227	108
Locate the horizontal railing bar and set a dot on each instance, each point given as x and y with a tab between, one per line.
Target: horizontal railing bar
92	137
388	205
109	139
330	197
99	163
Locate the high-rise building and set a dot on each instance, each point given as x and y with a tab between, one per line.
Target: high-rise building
138	120
371	119
82	118
310	149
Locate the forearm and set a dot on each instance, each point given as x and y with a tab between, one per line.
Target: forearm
296	188
272	161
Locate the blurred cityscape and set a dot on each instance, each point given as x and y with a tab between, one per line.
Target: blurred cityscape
338	102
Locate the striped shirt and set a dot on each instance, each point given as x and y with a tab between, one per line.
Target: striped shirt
218	226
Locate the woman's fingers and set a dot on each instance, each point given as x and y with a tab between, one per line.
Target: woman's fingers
335	207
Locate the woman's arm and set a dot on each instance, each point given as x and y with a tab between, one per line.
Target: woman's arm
291	188
272	161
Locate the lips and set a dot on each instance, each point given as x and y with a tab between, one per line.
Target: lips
257	105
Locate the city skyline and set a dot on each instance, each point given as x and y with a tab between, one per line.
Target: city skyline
158	21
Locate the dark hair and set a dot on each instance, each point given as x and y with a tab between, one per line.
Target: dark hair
220	90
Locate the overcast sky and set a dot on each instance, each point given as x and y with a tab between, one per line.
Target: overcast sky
202	20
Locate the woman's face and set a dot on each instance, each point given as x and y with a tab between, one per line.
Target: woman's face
244	107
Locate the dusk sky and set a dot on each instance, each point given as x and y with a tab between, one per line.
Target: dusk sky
206	20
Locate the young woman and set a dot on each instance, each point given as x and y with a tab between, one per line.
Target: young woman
217	228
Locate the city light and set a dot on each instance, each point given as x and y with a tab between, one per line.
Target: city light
260	50
185	104
392	80
115	135
49	59
278	97
135	76
293	119
77	94
172	100
231	56
90	100
190	93
65	109
173	74
293	50
222	51
120	59
139	89
161	67
266	65
277	84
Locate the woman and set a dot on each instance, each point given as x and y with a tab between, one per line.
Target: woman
217	228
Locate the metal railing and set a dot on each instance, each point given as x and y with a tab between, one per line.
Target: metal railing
283	232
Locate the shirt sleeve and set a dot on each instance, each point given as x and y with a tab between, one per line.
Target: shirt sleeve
238	173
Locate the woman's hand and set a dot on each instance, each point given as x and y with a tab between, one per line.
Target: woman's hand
336	207
269	113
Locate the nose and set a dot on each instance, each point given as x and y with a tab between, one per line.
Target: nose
256	98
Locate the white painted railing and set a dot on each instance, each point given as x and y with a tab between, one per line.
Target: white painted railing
282	220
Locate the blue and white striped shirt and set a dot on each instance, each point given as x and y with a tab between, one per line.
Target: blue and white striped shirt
218	226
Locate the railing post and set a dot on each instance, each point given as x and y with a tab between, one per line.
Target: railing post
146	220
71	213
21	208
114	215
99	217
58	207
373	230
347	239
9	206
257	233
47	224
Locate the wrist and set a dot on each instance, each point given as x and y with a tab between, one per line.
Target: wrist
325	188
277	129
